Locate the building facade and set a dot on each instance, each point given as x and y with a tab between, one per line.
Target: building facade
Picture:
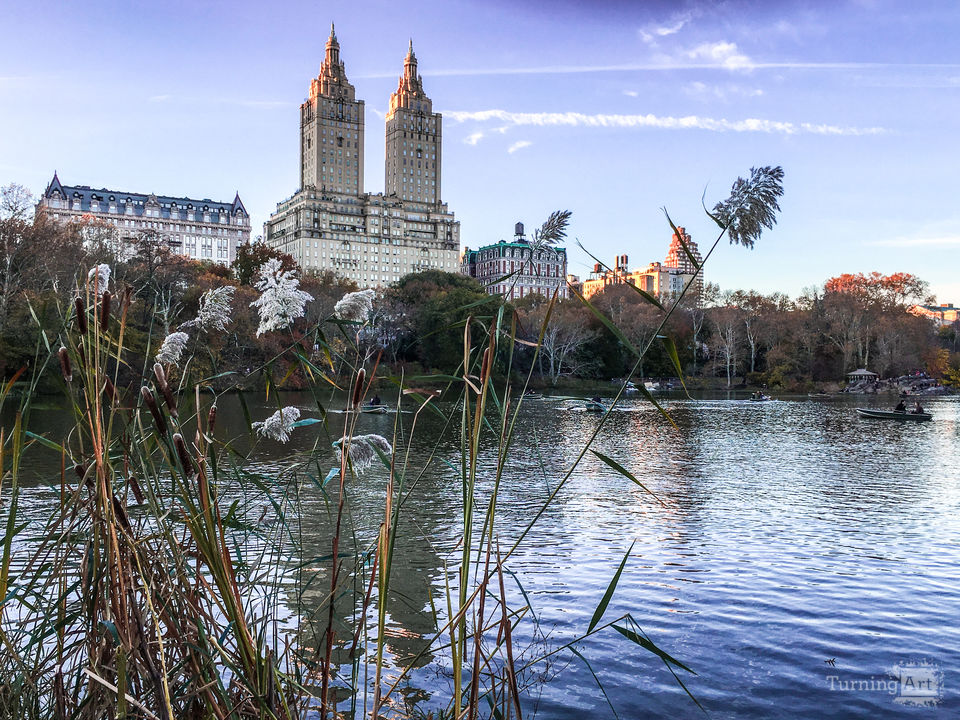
198	229
517	269
330	223
945	314
666	279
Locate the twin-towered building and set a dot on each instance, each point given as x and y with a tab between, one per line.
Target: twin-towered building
331	223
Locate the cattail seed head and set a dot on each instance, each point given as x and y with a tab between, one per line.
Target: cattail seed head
164	386
151	402
105	310
358	387
485	367
211	420
65	364
110	391
81	314
185	458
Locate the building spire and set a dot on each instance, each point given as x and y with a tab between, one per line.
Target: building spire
333	32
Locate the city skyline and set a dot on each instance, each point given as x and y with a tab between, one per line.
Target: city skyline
610	111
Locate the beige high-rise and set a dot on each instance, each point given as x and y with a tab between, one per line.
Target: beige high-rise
330	223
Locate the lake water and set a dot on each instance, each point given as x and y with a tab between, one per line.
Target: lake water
805	561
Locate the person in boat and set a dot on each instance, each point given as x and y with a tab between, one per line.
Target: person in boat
900	407
917	409
596	399
375	401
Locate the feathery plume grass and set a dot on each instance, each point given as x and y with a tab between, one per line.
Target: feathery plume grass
355	306
362	450
99	276
214	312
281	300
553	230
172	348
279	425
752	205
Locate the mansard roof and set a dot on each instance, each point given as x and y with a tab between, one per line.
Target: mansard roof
85	194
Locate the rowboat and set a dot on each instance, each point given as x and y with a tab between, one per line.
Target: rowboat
893	415
762	398
533	396
374	409
819	396
592	406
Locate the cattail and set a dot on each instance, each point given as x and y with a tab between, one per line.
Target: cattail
485	366
105	310
135	487
80	470
65	364
211	420
165	389
127	296
81	314
80	353
151	402
110	391
358	388
185	458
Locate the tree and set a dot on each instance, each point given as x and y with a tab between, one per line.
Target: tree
251	257
567	333
727	322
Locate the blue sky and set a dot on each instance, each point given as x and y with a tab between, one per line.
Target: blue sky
610	109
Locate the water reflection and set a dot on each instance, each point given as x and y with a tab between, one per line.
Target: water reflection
791	532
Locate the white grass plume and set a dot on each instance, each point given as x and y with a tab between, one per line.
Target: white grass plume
279	425
281	300
355	306
99	276
172	348
214	313
363	450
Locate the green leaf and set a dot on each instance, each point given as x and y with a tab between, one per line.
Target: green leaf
668	660
683	243
45	442
626	473
608	323
647	644
675	359
642	293
307	421
605	600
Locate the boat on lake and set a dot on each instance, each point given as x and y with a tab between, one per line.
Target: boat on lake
819	396
533	396
374	409
760	398
592	406
893	415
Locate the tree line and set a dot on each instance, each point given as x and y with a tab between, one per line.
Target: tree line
737	336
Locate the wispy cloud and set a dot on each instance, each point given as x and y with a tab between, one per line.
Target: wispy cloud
705	91
474	138
672	65
519	145
689	122
721	54
650	33
631	93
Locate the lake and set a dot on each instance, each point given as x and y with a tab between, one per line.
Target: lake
803	562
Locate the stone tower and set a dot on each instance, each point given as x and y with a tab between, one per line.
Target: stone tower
331	129
413	140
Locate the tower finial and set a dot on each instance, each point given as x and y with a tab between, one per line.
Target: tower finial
410	49
333	32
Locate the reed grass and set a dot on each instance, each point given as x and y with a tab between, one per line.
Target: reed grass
141	595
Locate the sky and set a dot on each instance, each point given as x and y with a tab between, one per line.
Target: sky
612	109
